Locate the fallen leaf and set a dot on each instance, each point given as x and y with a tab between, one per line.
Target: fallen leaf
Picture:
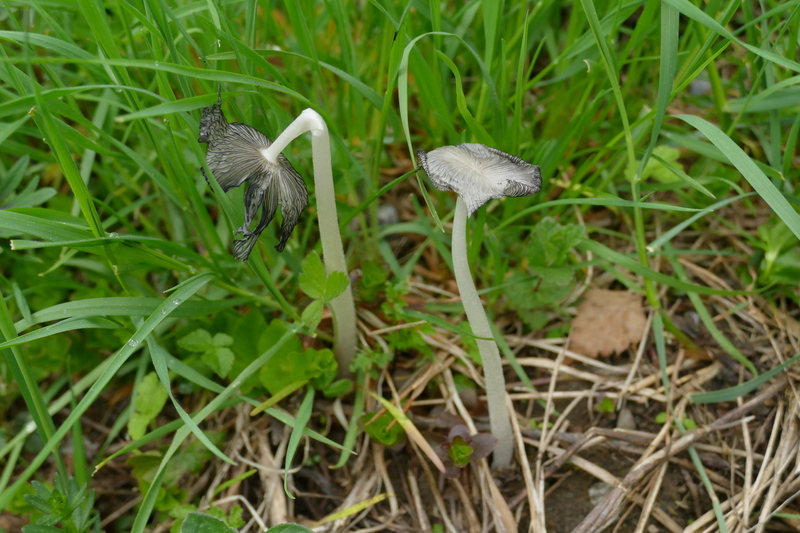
607	323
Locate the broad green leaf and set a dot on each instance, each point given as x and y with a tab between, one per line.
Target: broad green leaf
222	339
203	523
785	269
338	388
197	341
220	359
312	280
289	367
289	528
312	315
150	400
335	285
551	242
383	428
657	168
219	356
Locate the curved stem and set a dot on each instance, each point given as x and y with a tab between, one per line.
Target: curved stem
490	355
343	308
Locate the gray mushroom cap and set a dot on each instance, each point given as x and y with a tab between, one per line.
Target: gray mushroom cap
478	173
234	156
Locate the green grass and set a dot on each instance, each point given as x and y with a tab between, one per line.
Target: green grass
106	220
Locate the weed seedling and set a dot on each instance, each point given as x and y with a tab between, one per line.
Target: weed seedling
461	448
66	504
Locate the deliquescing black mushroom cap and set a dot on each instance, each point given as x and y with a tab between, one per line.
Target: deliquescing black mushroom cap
478	173
234	157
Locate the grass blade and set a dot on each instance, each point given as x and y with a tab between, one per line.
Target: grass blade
750	171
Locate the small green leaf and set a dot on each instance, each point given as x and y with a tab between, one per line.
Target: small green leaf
656	168
382	429
338	388
785	269
460	452
539	425
198	341
552	242
321	367
318	367
203	523
222	339
777	236
41	500
220	360
373	279
278	396
312	315
776	239
661	417
150	400
252	337
335	285
144	465
606	405
289	528
557	275
312	280
232	519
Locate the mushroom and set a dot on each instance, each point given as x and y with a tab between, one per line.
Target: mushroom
235	156
238	153
342	307
477	174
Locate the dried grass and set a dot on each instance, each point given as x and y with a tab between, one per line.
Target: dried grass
750	450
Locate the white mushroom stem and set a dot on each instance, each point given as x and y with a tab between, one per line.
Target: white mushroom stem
490	355
344	311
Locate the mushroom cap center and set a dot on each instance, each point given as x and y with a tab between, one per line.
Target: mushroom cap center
478	173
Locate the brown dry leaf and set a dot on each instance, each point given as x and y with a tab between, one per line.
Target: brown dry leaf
607	323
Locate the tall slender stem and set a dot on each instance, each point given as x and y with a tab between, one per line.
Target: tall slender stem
343	308
492	366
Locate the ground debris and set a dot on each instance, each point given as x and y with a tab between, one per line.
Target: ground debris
607	323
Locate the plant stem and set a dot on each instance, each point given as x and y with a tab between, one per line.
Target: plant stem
490	355
343	308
